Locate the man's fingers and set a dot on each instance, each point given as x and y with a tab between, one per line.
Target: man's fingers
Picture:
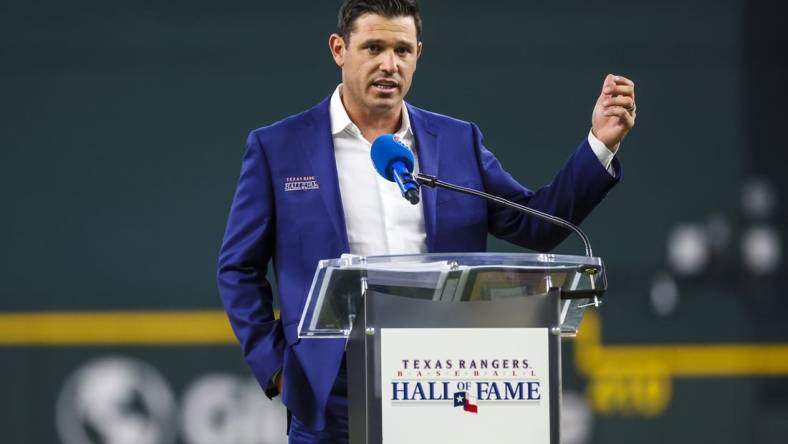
613	80
618	111
609	82
621	80
623	101
619	90
625	118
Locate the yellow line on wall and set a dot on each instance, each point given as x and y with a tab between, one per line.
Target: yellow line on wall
192	327
210	327
638	379
678	360
706	359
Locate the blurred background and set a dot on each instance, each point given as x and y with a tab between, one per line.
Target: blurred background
122	129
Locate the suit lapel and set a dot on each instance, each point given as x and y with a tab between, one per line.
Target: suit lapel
317	144
427	151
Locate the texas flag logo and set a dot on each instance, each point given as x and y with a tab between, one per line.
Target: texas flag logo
461	400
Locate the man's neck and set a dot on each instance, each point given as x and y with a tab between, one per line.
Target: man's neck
373	124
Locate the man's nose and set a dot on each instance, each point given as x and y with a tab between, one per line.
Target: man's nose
388	63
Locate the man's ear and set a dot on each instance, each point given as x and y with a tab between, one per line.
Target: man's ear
418	50
337	46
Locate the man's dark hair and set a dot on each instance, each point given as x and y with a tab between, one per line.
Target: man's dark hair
353	9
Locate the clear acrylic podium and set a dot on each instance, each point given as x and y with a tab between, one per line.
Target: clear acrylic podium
452	344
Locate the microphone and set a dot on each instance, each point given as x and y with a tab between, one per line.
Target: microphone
394	161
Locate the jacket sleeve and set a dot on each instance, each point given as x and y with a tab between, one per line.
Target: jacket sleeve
577	188
243	262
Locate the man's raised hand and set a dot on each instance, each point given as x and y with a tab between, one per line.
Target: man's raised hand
615	111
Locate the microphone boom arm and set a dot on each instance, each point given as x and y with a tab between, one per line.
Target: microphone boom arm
433	182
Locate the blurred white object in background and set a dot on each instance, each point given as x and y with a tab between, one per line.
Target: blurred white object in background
761	249
116	400
228	409
664	295
688	249
758	198
576	419
122	400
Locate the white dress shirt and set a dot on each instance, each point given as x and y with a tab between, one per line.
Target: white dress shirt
379	221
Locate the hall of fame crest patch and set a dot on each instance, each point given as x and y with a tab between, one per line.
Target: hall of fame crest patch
301	183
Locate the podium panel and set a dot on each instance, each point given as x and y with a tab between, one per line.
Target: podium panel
465	385
452	348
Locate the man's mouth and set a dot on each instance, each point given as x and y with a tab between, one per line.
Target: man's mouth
385	85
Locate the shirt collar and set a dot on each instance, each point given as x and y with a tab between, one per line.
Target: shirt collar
340	121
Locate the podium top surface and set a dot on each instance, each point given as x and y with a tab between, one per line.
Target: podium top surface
340	284
542	260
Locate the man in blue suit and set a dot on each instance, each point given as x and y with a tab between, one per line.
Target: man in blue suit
307	191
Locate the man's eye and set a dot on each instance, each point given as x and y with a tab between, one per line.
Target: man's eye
373	49
403	51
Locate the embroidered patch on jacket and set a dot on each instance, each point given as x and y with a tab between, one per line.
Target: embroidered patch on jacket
301	183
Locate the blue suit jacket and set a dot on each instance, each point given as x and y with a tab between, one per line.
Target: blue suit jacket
298	228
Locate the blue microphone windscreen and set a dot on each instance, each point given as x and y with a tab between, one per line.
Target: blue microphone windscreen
386	150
